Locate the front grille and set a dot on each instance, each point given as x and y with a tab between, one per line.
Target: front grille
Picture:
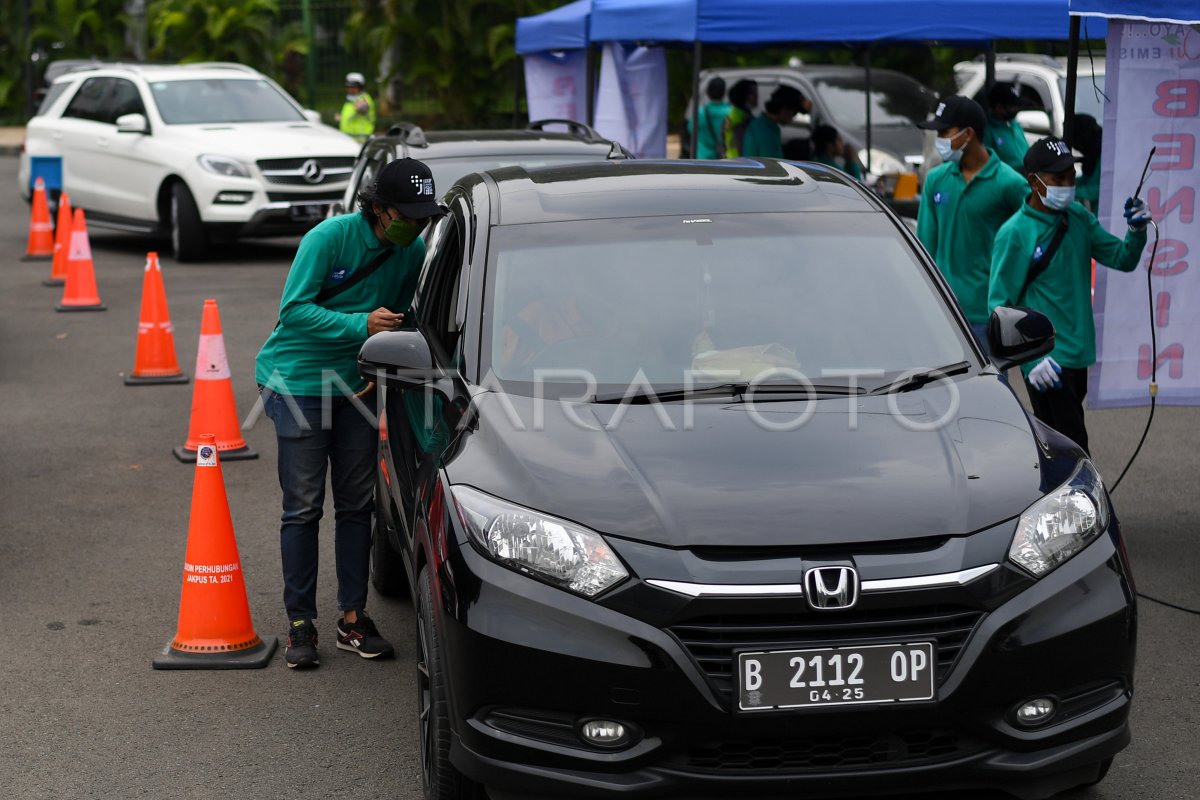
713	640
830	752
304	197
292	171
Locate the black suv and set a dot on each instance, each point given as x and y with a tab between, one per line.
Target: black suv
701	485
452	154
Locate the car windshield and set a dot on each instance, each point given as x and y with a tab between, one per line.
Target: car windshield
220	100
726	298
895	100
1089	95
448	170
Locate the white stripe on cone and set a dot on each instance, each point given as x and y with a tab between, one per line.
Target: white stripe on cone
211	362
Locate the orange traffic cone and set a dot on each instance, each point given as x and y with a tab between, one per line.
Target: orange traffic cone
79	291
215	630
41	232
213	407
155	360
62	243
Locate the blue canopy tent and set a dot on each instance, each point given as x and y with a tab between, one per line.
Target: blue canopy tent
564	28
758	22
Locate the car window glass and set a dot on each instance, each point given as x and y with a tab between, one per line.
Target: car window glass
1089	95
52	95
222	100
124	99
895	100
90	102
444	263
808	292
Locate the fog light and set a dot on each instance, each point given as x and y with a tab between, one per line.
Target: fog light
1036	711
604	733
233	198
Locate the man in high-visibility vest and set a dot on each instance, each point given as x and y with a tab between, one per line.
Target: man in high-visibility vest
357	117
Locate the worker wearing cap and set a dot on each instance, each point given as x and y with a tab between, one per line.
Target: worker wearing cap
354	275
964	202
357	117
1003	133
1035	266
764	136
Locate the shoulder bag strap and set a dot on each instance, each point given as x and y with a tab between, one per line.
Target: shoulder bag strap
358	277
1041	262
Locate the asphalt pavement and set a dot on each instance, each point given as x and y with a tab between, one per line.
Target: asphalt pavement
93	524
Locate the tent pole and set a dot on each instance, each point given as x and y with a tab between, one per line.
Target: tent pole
696	52
989	68
591	85
518	70
867	66
1072	78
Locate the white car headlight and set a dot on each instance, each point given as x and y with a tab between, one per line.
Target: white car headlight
223	165
1062	523
552	550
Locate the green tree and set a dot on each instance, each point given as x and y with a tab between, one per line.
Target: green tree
187	31
80	28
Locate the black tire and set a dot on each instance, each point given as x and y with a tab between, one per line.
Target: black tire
439	779
387	566
187	231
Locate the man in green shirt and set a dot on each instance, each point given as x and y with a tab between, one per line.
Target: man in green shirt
1003	133
964	202
743	99
357	117
709	143
1028	269
764	137
831	150
353	276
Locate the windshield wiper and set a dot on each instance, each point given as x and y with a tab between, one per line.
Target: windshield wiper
739	389
918	379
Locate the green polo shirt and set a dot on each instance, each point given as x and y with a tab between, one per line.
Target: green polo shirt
712	118
1063	292
1087	188
763	138
1008	140
957	222
312	340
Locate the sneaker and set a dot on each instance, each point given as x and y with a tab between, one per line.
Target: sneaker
301	648
363	637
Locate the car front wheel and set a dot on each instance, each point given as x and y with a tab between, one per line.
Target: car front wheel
187	232
439	778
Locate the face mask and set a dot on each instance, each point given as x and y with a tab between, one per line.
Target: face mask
1057	198
403	231
945	148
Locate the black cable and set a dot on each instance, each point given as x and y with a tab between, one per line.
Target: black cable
1153	361
1169	605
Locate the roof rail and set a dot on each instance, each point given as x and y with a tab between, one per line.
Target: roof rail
410	134
220	65
577	129
1023	58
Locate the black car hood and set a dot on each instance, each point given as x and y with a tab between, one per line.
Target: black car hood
730	481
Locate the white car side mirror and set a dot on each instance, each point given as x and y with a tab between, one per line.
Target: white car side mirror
133	123
312	116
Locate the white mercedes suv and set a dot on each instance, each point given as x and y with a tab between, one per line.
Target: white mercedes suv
203	152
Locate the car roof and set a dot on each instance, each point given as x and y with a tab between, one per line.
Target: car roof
809	71
1032	62
617	189
153	72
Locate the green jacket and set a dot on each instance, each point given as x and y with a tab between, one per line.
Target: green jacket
354	123
1087	189
957	222
763	138
712	117
311	340
1063	292
1008	140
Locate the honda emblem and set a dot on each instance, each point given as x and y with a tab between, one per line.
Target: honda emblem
831	588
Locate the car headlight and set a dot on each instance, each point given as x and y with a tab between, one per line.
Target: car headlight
558	552
223	165
883	163
1062	523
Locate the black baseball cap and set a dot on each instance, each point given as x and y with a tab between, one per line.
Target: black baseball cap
956	111
407	186
1003	94
1048	155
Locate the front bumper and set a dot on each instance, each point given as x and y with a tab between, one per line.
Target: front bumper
552	659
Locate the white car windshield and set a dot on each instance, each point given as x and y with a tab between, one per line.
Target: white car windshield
222	100
736	294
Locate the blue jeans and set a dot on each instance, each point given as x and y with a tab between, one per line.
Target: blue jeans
981	334
345	446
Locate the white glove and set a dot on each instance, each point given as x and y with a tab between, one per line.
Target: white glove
1044	376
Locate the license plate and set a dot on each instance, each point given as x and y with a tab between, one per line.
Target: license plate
835	676
308	212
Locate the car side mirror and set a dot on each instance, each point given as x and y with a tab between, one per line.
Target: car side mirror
401	357
312	116
133	123
1018	335
1034	121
